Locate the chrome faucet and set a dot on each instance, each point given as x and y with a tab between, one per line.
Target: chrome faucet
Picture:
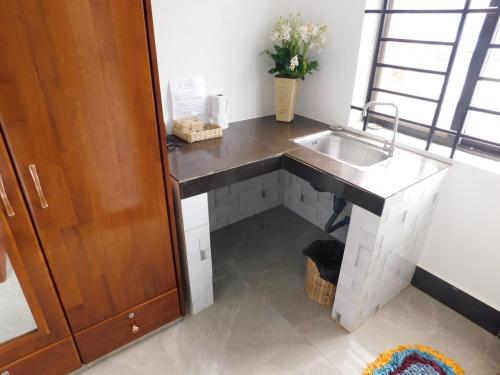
389	148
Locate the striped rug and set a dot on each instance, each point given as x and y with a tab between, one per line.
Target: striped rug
413	360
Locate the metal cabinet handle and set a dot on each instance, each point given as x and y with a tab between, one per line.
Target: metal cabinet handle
38	186
5	199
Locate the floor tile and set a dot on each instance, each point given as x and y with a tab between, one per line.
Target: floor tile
483	368
262	321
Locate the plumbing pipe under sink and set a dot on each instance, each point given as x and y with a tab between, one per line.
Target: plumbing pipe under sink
339	204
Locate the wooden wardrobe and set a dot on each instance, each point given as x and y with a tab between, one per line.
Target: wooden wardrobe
84	166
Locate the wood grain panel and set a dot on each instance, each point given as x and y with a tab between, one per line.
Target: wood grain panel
18	241
119	330
57	359
76	98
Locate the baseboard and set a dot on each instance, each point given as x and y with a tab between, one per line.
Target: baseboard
478	312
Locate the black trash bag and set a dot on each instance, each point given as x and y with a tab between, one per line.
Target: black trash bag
327	255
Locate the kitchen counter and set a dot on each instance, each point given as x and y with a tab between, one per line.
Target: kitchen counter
243	143
221	181
253	147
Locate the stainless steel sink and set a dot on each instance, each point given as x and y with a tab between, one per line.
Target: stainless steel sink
343	147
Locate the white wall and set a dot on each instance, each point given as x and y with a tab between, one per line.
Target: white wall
326	96
221	40
463	246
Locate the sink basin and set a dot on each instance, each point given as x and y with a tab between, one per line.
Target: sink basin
343	147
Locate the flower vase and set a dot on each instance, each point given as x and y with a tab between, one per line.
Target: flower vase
285	95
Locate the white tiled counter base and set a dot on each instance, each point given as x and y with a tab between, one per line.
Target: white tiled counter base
197	253
239	201
316	207
381	253
214	210
244	199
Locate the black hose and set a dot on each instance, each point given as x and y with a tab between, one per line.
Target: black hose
345	221
338	206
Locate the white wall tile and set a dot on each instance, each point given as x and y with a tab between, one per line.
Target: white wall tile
381	253
316	207
195	211
195	229
244	199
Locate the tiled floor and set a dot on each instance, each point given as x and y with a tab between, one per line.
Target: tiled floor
263	323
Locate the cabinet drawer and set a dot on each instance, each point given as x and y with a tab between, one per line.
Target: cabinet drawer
110	334
56	359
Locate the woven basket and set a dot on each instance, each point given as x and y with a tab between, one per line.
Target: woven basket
285	95
319	290
210	131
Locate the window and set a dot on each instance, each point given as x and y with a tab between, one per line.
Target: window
439	61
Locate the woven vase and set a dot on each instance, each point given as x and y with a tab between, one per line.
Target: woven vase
285	95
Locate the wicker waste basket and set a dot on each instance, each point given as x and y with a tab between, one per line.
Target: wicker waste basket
324	259
319	290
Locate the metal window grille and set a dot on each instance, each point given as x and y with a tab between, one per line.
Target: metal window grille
454	137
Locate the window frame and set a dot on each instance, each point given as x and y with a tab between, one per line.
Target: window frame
455	138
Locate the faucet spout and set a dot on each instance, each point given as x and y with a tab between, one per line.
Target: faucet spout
390	151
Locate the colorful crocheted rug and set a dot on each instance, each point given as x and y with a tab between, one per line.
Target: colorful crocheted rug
413	360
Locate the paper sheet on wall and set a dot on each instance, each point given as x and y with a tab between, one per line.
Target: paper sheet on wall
188	97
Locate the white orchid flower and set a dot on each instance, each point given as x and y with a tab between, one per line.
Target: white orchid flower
294	63
294	37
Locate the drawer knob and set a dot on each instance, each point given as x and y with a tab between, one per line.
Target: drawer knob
135	328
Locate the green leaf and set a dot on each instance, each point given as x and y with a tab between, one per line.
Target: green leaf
314	65
282	56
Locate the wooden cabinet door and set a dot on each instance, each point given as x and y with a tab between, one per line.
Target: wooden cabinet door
31	317
78	114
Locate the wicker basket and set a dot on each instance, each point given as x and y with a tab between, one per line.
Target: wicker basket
285	95
210	131
319	290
